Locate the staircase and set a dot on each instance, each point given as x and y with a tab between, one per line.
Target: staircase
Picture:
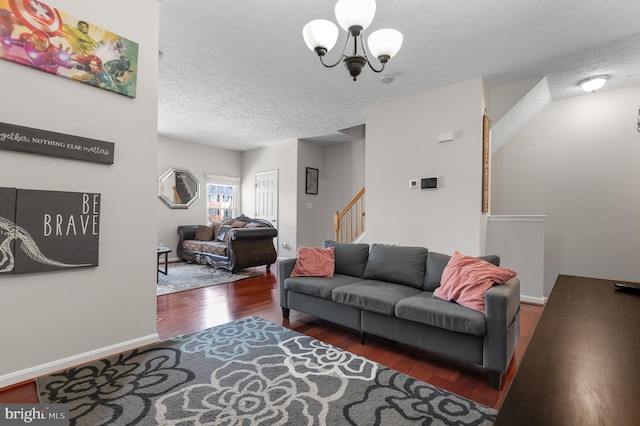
349	223
180	192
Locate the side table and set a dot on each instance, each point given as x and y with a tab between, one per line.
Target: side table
161	251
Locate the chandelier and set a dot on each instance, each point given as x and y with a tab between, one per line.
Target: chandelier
354	16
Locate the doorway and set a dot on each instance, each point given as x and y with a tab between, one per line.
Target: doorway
267	198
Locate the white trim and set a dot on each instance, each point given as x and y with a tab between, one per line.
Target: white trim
72	361
534	300
517	218
231	180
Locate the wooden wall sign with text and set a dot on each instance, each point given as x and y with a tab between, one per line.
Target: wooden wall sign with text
34	141
47	230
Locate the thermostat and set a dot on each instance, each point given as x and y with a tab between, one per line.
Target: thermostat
429	183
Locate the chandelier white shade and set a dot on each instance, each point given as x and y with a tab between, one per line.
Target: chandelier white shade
355	12
320	33
354	16
385	42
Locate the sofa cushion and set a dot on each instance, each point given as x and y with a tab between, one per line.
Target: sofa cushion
318	286
426	309
314	262
204	233
371	295
466	279
350	259
193	245
397	264
212	247
436	262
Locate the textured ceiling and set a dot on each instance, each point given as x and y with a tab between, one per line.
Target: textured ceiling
237	74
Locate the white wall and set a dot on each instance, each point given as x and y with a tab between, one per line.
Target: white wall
52	320
345	177
578	163
341	177
283	158
315	222
401	145
200	160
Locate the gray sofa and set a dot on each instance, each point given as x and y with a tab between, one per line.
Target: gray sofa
387	291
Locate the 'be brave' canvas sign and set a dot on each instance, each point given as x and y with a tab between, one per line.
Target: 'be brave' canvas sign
51	230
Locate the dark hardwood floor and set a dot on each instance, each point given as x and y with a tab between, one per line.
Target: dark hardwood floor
194	310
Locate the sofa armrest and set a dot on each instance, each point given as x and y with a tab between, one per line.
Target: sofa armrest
285	267
251	247
185	232
252	233
502	313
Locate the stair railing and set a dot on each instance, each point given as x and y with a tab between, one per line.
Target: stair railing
349	223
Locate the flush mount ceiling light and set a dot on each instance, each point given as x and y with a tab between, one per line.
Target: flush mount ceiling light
592	84
354	16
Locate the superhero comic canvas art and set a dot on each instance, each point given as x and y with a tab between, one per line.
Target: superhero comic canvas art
39	36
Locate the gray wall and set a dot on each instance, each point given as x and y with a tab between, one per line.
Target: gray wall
402	145
52	320
313	212
578	163
341	170
283	158
345	177
200	160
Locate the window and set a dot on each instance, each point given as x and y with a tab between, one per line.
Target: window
222	198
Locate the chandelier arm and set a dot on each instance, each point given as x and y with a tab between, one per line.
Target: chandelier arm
331	65
366	56
340	59
372	68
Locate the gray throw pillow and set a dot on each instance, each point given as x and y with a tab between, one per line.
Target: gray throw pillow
397	264
350	259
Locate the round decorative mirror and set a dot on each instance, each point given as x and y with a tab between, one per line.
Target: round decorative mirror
178	188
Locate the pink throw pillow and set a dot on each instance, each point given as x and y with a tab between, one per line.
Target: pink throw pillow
466	279
314	262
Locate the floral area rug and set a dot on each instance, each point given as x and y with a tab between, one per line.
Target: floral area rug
251	372
187	276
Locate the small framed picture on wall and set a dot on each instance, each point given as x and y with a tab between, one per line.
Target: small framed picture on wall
312	181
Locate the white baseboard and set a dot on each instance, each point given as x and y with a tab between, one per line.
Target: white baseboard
534	300
72	361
